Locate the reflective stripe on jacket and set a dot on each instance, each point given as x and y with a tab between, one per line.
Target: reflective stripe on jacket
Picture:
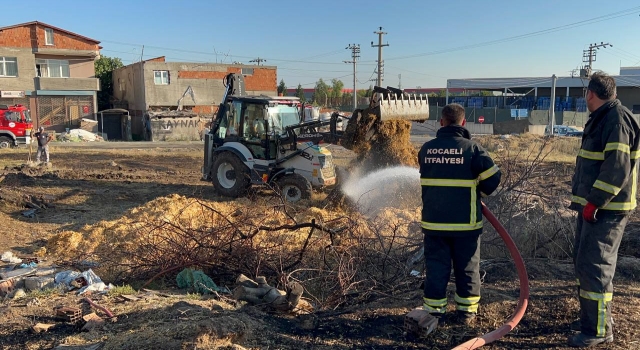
454	173
606	166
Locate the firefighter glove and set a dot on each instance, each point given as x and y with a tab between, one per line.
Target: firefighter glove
589	213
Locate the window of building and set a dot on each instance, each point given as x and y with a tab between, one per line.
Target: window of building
52	68
161	77
8	67
247	71
48	36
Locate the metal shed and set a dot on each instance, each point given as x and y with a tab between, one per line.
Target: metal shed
115	124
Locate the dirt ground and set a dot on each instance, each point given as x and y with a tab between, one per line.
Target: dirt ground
85	186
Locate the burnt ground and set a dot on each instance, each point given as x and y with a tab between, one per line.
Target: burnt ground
85	186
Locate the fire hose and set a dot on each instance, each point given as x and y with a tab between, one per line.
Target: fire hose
524	289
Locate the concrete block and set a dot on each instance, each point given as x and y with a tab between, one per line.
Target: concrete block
38	283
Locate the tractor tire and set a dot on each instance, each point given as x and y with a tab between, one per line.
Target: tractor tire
230	176
294	187
5	142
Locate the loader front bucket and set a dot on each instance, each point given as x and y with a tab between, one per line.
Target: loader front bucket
403	107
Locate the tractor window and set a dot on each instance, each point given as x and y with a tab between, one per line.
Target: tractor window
12	116
282	116
230	121
253	122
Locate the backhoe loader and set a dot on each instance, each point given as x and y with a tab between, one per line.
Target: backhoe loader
262	140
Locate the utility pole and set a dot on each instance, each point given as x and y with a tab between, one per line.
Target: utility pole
258	60
400	81
380	62
355	54
589	56
552	107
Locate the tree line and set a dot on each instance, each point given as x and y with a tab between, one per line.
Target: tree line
325	94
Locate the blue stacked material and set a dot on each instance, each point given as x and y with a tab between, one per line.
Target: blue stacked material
475	102
568	104
527	102
459	100
581	105
543	103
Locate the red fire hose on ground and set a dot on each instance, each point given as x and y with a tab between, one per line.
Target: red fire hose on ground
524	289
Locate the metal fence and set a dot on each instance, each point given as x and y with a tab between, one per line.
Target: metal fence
60	112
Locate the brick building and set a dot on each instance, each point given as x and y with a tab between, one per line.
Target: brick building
51	70
155	84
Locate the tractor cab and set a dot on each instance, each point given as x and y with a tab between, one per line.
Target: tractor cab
258	122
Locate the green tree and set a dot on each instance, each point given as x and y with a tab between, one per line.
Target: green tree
486	93
300	93
336	88
104	72
369	91
282	88
321	92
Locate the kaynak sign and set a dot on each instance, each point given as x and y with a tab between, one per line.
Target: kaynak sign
11	94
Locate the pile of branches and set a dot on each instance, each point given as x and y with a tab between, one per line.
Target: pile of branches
345	259
531	203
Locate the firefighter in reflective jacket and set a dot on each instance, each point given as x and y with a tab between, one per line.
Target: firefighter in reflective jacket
604	191
455	173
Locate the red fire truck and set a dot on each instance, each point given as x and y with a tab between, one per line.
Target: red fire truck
15	126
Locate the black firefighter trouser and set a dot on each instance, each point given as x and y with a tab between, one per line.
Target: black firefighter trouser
439	253
595	255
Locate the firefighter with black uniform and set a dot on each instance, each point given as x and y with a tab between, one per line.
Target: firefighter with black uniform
455	173
604	191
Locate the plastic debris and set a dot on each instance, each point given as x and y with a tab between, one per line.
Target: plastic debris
31	213
80	135
8	257
31	264
198	282
19	294
85	281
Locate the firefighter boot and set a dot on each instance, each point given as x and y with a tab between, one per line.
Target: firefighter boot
420	323
582	340
465	318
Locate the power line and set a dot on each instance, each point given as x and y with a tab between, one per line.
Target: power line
625	52
610	16
410	71
607	17
211	53
200	61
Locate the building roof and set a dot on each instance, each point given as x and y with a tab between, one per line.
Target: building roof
49	26
629	77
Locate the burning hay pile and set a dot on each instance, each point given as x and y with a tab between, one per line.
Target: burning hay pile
379	144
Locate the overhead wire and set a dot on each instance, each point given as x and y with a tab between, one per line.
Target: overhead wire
607	17
625	52
597	19
211	53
